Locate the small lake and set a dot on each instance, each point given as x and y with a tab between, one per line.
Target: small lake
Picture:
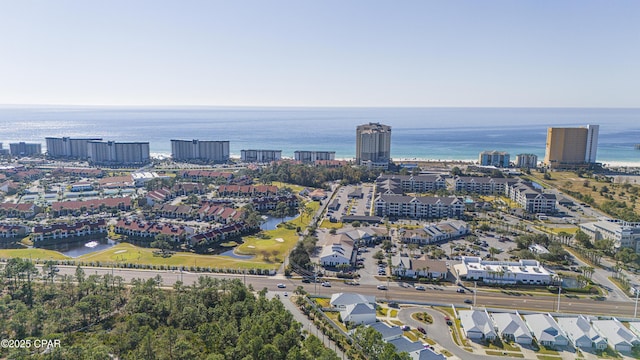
87	247
536	185
232	254
270	223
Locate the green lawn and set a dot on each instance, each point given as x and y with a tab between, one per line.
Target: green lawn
334	317
503	353
32	253
548	357
326	224
295	188
127	253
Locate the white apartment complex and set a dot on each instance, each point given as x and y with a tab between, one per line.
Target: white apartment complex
260	156
307	156
423	207
200	150
118	153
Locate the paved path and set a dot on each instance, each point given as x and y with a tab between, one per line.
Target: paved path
306	323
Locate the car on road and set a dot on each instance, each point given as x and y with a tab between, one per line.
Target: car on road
326	284
448	320
306	281
285	294
281	286
420	287
468	301
461	291
422	330
382	287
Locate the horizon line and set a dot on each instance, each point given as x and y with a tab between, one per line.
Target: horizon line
310	106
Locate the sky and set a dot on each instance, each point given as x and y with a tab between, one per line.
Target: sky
489	53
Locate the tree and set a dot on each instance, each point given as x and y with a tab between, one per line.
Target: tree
493	251
583	239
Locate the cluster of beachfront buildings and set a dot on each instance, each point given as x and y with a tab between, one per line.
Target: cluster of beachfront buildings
115	153
582	332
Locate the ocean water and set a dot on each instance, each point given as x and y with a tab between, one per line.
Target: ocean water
417	133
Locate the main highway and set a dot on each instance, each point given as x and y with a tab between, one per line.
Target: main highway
398	292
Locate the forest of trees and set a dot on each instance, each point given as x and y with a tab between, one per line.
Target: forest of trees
97	317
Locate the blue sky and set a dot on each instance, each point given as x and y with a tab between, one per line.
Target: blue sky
321	53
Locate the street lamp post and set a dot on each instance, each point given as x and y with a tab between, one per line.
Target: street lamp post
635	309
559	291
475	291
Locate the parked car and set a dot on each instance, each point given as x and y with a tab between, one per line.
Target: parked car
448	320
422	330
405	327
282	286
285	294
306	281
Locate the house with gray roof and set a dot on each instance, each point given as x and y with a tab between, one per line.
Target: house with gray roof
388	332
477	324
619	337
511	327
581	333
341	300
546	330
427	354
403	344
359	313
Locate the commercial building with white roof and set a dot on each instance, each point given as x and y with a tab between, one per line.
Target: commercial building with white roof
511	272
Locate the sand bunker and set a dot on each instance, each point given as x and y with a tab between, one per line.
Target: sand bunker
280	240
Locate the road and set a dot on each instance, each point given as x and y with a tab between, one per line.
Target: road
396	292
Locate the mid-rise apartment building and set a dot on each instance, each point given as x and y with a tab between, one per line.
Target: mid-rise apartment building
200	150
306	156
260	156
118	153
622	233
526	161
25	149
400	184
373	145
494	158
423	207
68	148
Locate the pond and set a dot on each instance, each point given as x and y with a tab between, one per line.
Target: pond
87	247
537	186
231	253
270	223
570	283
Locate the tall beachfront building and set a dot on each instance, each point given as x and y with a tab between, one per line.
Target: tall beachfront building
494	158
308	156
118	153
526	161
571	147
260	156
373	145
68	148
200	150
25	149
